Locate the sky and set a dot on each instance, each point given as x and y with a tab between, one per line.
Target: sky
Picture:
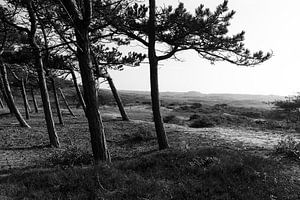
269	25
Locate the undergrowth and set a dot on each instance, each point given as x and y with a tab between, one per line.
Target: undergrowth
208	173
71	156
289	147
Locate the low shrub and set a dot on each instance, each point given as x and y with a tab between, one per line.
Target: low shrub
71	156
252	114
202	122
196	105
289	147
194	116
172	119
142	134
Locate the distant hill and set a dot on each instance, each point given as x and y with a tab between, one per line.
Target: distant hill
238	100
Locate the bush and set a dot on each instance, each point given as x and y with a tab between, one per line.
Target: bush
194	116
289	147
172	119
71	156
252	114
196	105
142	134
202	122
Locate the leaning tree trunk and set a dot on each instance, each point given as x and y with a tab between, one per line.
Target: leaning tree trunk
5	95
36	108
46	100
25	100
60	119
41	76
98	141
159	126
66	102
9	96
1	103
117	98
81	100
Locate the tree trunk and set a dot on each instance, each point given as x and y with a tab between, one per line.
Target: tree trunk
159	126
117	98
9	96
60	119
41	75
25	100
1	103
81	100
5	95
46	101
66	102
34	101
98	140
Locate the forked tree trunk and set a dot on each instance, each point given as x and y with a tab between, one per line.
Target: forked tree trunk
66	102
9	96
60	119
41	76
82	19
117	98
159	126
81	100
25	100
36	108
98	140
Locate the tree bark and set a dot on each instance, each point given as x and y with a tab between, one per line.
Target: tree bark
117	98
82	19
60	119
46	100
81	100
41	76
5	95
159	126
9	96
98	140
25	100
66	102
34	101
1	103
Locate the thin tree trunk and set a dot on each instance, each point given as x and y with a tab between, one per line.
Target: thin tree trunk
1	103
28	105
25	100
98	140
56	101
36	108
41	76
117	98
46	100
10	99
66	102
159	126
5	95
81	100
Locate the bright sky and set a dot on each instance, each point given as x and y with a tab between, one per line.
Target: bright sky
269	25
